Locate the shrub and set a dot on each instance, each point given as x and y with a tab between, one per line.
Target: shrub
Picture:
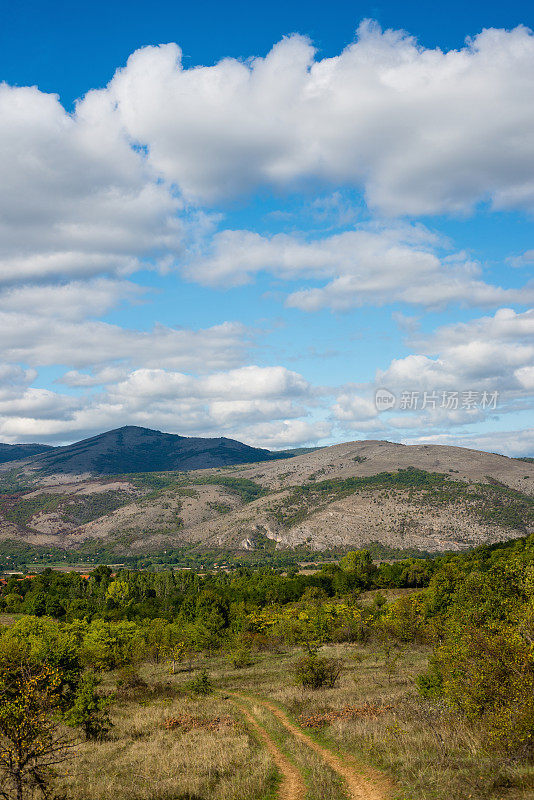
487	673
129	678
314	672
89	711
241	657
430	684
201	684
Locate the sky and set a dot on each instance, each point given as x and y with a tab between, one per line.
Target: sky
295	224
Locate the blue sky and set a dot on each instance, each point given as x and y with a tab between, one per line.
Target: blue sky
250	229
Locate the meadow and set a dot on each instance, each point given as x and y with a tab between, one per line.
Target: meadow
374	715
411	680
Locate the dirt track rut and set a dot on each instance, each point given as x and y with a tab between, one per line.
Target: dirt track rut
361	783
292	786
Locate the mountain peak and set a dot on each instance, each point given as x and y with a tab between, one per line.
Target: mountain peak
133	448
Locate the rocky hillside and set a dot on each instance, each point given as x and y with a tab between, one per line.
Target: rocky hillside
427	497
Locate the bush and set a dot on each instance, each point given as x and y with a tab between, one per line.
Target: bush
487	673
430	684
129	678
89	711
314	672
241	657
201	684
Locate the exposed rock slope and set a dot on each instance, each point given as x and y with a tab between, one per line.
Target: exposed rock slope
423	496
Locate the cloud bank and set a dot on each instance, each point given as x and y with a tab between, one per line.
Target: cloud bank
422	130
140	175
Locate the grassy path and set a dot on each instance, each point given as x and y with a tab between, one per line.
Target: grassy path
361	783
292	786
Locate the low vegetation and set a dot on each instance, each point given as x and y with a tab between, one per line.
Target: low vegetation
491	502
74	510
423	668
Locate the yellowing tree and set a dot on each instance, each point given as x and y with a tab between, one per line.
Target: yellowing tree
118	591
31	745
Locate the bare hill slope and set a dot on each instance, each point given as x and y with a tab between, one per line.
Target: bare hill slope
424	496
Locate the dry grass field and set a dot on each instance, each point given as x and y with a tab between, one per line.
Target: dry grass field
213	752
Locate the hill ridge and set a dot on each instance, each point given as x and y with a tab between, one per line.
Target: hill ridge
133	448
425	497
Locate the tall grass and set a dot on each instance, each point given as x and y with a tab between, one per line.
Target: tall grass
431	753
145	761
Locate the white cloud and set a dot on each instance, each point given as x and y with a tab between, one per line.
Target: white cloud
88	198
265	404
76	199
489	353
372	265
14	379
221	401
505	326
38	404
416	127
525	377
513	443
286	433
70	301
484	356
353	408
97	377
41	341
244	383
526	259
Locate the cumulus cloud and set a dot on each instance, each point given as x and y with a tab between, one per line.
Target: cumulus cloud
452	379
287	433
90	197
38	404
222	400
416	127
489	353
513	443
76	199
245	383
371	265
353	408
42	341
13	378
74	300
250	402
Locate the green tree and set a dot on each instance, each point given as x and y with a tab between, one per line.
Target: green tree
90	708
358	564
119	592
110	645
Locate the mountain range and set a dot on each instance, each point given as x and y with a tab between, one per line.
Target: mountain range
135	449
134	490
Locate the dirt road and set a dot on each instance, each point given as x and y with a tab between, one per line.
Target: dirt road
292	786
361	783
